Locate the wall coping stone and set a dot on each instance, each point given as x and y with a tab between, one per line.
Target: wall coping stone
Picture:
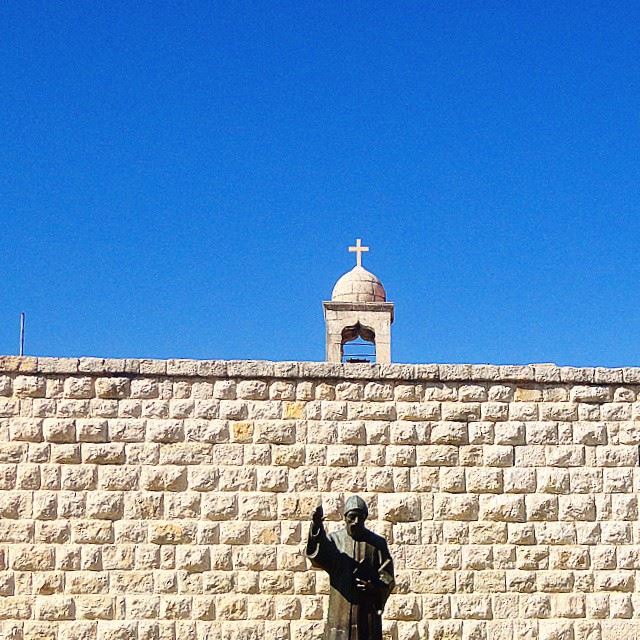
532	373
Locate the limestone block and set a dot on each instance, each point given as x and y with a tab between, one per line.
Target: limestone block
112	387
192	559
614	581
418	411
402	607
26	429
5	385
164	430
171	532
541	507
16	504
333	410
556	630
629	433
570	558
620	605
615	532
32	558
351	433
87	582
586	480
272	479
555	533
589	433
436	455
15	608
523	411
497	455
59	430
282	390
460	411
291	456
124	430
509	433
165	478
502	508
342	455
275	432
257	506
616	411
119	630
105	505
565	455
453	433
378	392
553	480
379	480
78	387
29	386
79	630
79	478
487	480
371	411
9	407
264	410
400	455
27	477
624	507
92	532
481	432
233	410
577	507
452	480
477	557
471	607
519	480
399	507
487	533
92	430
252	390
106	453
617	456
348	479
456	507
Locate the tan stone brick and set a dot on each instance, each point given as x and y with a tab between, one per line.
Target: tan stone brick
119	630
106	453
28	386
112	388
32	558
26	429
456	507
252	390
165	478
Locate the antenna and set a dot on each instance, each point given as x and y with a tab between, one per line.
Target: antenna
22	333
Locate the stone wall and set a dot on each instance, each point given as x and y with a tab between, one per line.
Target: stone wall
169	500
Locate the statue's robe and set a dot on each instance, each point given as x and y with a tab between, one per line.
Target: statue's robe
353	614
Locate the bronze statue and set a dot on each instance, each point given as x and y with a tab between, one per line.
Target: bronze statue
360	569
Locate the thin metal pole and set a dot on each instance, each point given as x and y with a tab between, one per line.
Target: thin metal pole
22	333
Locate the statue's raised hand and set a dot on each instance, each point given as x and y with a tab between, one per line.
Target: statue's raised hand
317	517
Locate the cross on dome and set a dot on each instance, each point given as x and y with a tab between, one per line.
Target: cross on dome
358	250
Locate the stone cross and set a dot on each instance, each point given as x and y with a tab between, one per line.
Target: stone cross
358	250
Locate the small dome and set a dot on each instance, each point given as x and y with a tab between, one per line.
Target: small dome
358	285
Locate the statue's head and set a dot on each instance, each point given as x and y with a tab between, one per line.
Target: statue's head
355	513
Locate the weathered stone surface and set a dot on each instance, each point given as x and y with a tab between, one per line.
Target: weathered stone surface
149	500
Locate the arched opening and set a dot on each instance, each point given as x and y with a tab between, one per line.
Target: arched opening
358	344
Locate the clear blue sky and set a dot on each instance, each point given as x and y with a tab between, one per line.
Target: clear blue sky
182	179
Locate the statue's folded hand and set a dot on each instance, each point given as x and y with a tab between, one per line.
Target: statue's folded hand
365	586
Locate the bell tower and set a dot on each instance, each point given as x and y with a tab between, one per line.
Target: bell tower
358	310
